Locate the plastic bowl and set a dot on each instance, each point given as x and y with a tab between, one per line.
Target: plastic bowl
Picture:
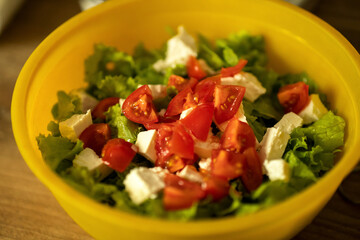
296	41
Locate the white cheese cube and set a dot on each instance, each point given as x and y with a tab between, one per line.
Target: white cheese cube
254	89
89	159
87	101
186	112
190	173
273	144
179	49
205	164
277	169
161	172
289	122
314	110
157	90
142	183
146	144
72	128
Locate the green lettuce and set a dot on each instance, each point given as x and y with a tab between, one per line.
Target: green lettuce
66	106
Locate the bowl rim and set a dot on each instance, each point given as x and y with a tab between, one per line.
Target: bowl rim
66	193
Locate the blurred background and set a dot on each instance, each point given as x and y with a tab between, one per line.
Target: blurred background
27	208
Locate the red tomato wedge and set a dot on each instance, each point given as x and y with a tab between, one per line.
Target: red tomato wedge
103	106
237	136
199	120
182	101
194	69
216	187
204	90
180	193
181	83
95	136
231	71
118	153
138	106
252	176
227	101
294	97
227	164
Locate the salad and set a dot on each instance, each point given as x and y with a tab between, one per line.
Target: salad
191	130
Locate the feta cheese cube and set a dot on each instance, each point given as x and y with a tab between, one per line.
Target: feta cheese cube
190	173
314	110
161	172
179	49
277	169
89	159
289	122
254	89
72	128
142	183
157	90
146	144
87	101
205	164
273	144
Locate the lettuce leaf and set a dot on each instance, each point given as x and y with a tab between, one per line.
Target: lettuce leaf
66	106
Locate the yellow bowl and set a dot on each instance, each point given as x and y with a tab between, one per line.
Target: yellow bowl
295	40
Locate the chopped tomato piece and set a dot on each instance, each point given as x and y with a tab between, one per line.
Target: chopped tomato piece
183	100
194	69
180	193
216	187
238	136
95	136
227	164
252	176
138	106
231	71
227	101
162	120
199	120
118	153
294	97
204	90
103	106
181	83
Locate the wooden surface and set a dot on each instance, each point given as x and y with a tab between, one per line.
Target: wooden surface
27	208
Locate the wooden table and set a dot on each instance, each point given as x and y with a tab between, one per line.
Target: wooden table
27	208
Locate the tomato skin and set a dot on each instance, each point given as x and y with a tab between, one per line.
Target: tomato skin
204	90
138	106
216	187
180	193
194	69
181	83
182	101
227	164
294	97
95	136
118	153
227	101
252	176
103	106
231	71
199	120
237	136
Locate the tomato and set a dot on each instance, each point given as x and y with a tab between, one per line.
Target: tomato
199	120
171	143
181	83
227	101
237	136
252	176
162	120
95	136
183	100
231	71
227	164
216	187
294	97
204	90
118	153
103	106
138	106
180	193
194	69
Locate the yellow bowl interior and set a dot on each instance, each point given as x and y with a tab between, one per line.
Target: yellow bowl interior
295	40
